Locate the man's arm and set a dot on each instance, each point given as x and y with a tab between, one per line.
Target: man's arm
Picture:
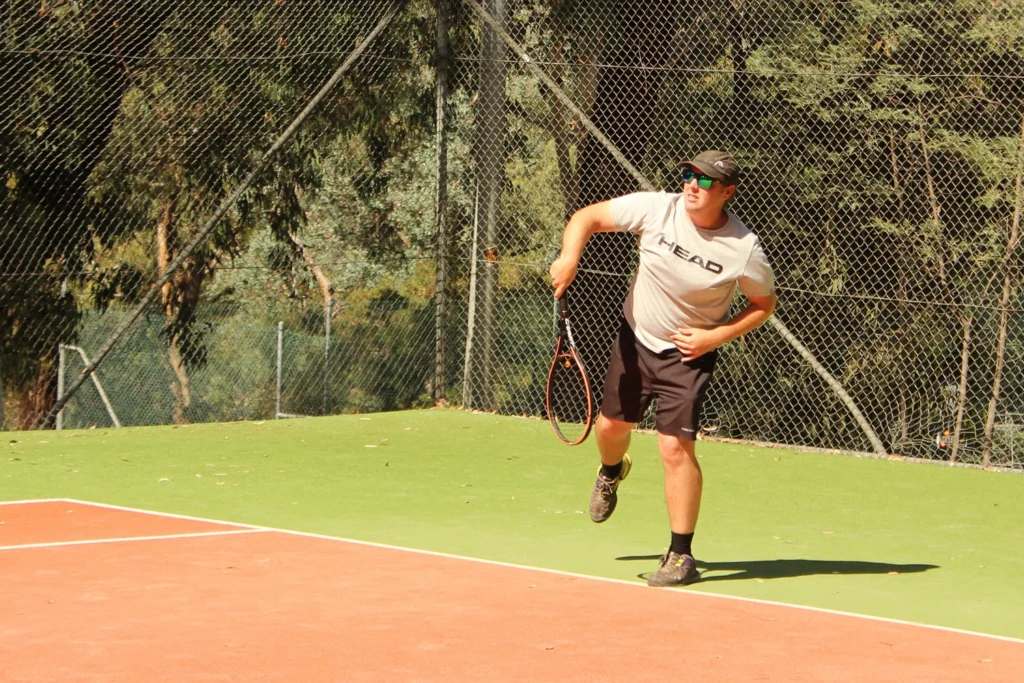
693	342
584	223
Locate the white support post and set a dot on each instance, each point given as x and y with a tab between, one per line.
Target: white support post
61	368
96	382
467	363
280	349
328	314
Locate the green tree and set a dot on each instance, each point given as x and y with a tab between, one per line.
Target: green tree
56	112
114	166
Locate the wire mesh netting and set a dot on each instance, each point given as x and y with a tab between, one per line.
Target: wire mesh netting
401	237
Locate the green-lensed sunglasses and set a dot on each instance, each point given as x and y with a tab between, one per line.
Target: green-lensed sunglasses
704	182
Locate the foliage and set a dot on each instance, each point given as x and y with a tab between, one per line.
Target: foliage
883	142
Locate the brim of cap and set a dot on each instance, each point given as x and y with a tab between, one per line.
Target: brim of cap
707	169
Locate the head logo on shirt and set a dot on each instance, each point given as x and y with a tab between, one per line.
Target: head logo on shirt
706	264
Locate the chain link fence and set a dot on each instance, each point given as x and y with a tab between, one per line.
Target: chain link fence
393	252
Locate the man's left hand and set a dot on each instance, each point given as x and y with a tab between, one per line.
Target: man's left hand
694	342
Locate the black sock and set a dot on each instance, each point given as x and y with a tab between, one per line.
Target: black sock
681	543
611	471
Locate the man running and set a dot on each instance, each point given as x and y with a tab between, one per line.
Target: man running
693	255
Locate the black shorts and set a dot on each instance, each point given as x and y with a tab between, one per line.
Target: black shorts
636	375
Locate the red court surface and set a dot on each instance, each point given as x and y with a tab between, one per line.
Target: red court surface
58	522
276	606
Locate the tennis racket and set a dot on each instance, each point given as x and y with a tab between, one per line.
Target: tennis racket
569	403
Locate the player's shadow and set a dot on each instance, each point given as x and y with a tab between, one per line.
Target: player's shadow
788	568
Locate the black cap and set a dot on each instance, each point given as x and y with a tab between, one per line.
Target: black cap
718	165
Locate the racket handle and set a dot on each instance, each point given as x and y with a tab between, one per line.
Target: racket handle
563	305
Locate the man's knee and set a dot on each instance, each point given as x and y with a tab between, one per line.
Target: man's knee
676	452
612	429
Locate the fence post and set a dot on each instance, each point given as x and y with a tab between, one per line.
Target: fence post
61	367
490	169
328	310
467	360
280	348
441	203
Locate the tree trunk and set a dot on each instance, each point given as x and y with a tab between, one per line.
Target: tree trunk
560	134
627	101
559	123
164	247
739	117
36	398
326	287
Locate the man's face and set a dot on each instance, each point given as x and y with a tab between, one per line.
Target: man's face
705	200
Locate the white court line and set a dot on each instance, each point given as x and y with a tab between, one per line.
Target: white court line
39	500
687	594
204	520
128	539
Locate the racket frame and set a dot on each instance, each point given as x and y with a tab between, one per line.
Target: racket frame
565	347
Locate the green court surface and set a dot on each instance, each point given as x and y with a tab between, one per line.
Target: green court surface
909	541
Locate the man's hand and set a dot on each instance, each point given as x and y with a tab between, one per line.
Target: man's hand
563	272
584	223
694	342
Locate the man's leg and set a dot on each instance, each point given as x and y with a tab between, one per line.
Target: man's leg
622	406
612	439
612	442
684	482
681	388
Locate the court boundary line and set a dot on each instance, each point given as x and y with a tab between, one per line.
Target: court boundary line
555	572
33	500
129	539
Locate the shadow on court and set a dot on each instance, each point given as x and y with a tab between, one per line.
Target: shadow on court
785	569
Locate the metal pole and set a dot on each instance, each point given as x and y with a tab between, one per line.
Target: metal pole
491	131
327	352
280	349
441	203
1	392
467	363
61	367
96	382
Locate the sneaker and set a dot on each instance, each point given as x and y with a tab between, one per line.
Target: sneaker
675	570
604	497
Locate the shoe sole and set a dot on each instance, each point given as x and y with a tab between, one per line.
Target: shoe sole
691	580
627	465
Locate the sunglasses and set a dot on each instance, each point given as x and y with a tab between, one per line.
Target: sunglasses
704	182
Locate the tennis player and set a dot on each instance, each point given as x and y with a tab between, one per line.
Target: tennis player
693	255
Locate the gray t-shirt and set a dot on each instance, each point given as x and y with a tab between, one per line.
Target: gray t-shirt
687	275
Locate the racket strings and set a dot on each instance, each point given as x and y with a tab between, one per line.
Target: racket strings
570	403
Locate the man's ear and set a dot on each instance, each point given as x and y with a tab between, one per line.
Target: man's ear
730	190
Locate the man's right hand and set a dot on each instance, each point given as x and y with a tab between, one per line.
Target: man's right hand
563	272
584	223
